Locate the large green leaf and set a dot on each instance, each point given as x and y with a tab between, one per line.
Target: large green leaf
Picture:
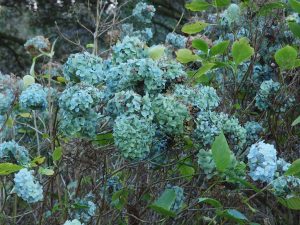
235	215
57	153
200	45
269	7
156	52
204	69
186	169
286	57
294	169
241	50
296	121
104	139
194	28
219	48
197	5
291	203
8	168
221	153
295	4
185	56
295	28
221	3
213	202
164	203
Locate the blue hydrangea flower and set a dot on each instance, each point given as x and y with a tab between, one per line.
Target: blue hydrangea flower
79	125
286	186
128	48
169	114
202	97
206	163
11	148
143	12
87	209
79	99
111	186
6	98
262	162
73	222
265	94
34	98
129	102
231	15
84	67
177	40
282	166
254	131
133	136
36	44
27	187
172	69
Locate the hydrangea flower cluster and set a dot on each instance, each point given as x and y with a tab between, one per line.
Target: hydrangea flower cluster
206	163
143	12
6	94
210	124
282	166
176	40
11	148
128	48
87	209
73	222
262	162
27	187
158	152
34	98
133	136
231	15
78	115
266	92
37	44
179	200
202	97
84	67
169	114
286	186
253	130
111	186
144	35
79	99
129	102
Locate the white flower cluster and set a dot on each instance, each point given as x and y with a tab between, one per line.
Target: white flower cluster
262	162
27	187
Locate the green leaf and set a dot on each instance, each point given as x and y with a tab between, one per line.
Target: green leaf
291	203
296	121
185	56
204	69
164	203
269	7
156	52
194	28
197	5
57	153
28	80
235	215
186	169
286	57
119	199
219	48
61	79
25	115
37	161
241	50
46	171
221	3
90	46
213	202
221	153
294	169
104	139
295	5
8	168
200	45
295	28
